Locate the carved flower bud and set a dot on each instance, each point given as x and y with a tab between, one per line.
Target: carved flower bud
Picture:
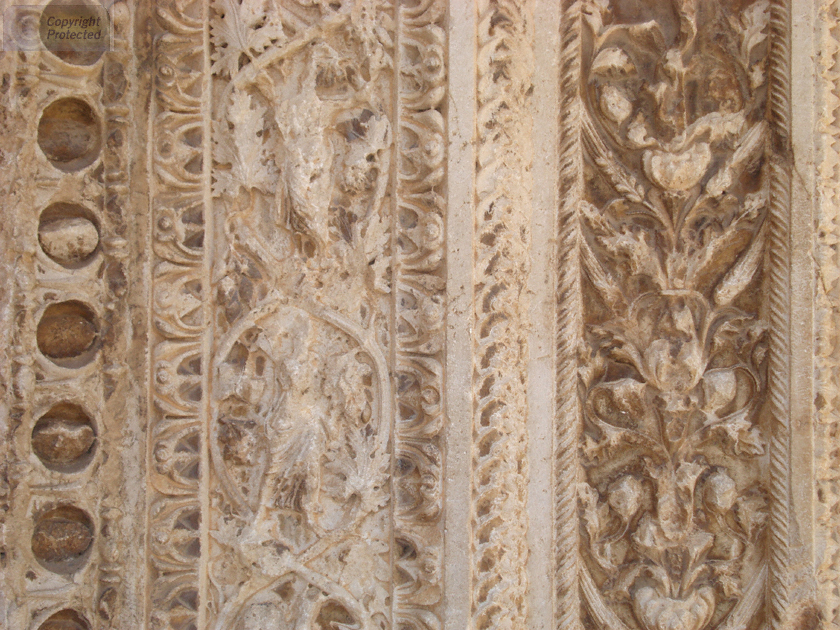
678	171
613	61
625	496
615	105
675	365
720	492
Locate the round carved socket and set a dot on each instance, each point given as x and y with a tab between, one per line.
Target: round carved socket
62	539
68	333
69	134
68	234
75	31
64	438
65	620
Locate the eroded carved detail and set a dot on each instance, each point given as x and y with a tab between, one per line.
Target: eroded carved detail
300	449
327	258
673	370
177	294
499	436
419	298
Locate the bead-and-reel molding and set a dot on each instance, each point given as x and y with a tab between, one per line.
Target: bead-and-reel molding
67	398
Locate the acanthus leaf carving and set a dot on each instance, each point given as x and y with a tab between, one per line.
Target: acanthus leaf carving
674	502
304	134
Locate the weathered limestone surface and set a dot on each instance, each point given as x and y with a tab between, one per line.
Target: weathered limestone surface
422	315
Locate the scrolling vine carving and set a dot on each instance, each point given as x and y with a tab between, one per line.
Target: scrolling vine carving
674	238
324	264
321	255
303	142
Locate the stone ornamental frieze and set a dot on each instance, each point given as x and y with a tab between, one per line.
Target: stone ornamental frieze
420	315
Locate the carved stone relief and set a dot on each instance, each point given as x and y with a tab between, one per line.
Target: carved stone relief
318	414
674	231
270	270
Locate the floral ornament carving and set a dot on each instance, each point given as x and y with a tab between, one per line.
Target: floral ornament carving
672	246
177	293
326	174
299	448
303	133
304	136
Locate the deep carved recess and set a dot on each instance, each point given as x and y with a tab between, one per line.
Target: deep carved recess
69	134
674	219
66	619
62	538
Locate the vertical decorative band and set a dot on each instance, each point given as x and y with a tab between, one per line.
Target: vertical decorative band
176	137
827	427
419	293
684	376
569	324
325	415
207	607
778	305
499	522
67	236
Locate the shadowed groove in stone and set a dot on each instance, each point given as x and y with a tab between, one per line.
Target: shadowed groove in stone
69	134
62	538
87	47
68	333
66	619
64	438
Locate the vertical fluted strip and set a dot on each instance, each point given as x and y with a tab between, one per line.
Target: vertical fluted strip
779	309
499	486
569	324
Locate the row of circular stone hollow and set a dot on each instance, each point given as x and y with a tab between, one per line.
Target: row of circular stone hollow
64	438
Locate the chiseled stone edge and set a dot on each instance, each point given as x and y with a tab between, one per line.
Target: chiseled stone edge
569	326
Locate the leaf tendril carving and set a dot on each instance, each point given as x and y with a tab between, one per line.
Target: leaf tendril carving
672	221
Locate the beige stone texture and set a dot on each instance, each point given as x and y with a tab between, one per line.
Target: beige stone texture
420	315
